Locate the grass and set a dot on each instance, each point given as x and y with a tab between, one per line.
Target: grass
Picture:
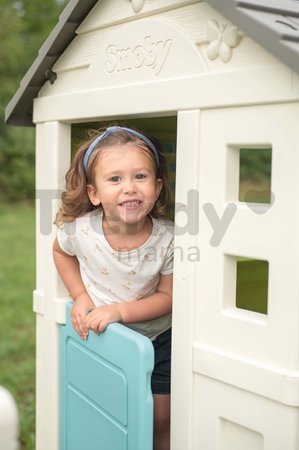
17	320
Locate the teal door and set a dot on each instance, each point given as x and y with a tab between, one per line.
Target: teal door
105	394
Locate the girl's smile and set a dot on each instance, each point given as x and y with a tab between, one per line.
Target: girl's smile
131	205
125	186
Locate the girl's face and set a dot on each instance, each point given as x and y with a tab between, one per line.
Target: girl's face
125	184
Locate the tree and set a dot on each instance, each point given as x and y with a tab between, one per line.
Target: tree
24	25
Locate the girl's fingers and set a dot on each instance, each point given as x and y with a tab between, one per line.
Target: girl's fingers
79	326
94	323
102	326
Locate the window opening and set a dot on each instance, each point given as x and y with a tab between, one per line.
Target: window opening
252	284
255	175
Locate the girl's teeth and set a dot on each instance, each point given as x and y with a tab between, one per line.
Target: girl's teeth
130	203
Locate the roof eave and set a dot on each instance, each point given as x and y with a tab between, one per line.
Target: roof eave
20	108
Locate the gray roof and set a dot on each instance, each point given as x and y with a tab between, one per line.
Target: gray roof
274	24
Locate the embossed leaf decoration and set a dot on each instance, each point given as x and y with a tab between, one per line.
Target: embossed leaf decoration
225	52
138	5
213	50
231	36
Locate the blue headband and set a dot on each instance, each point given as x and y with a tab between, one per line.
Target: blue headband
112	130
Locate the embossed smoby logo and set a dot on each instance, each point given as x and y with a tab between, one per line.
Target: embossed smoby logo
152	54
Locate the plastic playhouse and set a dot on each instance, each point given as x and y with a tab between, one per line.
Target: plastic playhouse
212	80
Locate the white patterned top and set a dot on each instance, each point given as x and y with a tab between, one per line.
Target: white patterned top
113	277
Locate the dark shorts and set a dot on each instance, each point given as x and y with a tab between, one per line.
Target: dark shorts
162	367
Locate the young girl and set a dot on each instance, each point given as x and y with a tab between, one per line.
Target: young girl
114	251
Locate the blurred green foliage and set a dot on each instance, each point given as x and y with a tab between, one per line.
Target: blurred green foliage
255	163
24	25
255	175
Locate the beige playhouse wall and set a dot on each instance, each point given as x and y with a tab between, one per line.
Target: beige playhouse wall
185	77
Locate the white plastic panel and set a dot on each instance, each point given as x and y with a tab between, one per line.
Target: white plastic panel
231	228
228	418
165	97
187	169
110	12
143	50
52	160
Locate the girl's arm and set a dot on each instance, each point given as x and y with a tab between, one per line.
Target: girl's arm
156	305
68	268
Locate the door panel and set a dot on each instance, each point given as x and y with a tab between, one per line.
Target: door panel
106	401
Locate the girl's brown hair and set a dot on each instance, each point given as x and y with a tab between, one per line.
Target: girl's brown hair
75	201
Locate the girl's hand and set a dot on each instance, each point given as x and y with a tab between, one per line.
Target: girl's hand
81	307
99	318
